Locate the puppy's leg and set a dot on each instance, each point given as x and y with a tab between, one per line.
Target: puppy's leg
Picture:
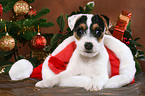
54	80
84	81
76	81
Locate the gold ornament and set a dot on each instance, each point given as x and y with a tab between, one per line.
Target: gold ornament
21	7
7	43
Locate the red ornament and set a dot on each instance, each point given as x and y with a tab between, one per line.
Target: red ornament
1	9
38	42
32	11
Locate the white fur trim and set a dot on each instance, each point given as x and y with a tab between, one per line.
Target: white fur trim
61	46
127	65
20	70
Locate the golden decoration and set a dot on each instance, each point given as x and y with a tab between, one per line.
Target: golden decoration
7	43
21	7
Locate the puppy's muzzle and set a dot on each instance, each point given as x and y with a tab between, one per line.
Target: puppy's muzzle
88	47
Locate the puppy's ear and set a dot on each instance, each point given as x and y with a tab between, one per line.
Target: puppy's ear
72	20
106	18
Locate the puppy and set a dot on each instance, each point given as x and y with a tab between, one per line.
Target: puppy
89	65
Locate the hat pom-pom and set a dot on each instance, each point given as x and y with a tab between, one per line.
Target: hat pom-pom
21	69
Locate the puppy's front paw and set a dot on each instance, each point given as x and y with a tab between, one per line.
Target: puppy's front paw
94	86
43	84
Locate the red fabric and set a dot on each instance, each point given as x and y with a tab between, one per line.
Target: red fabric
37	72
133	81
58	63
114	63
67	52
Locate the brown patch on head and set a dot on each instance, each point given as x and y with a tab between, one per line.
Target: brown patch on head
97	32
80	27
76	36
95	26
105	22
80	31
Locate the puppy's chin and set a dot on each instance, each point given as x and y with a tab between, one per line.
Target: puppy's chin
88	54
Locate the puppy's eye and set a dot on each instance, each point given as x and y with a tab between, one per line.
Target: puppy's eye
80	32
97	32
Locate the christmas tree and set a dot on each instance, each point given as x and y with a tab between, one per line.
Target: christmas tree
24	27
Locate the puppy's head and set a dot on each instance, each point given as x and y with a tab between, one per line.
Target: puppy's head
88	32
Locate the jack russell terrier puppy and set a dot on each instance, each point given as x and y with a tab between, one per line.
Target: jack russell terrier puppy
89	65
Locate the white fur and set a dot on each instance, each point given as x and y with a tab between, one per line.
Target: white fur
20	70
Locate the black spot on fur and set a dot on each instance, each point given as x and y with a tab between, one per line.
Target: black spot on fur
80	30
98	20
98	31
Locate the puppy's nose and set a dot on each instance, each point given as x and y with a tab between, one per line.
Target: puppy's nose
88	45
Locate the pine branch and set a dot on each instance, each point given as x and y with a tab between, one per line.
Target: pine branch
7	4
41	13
